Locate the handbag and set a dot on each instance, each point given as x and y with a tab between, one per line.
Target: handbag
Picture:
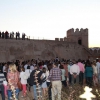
19	85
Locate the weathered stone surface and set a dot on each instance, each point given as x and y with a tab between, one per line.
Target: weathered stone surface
43	49
73	46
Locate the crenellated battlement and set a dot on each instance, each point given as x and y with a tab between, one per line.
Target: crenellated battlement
77	32
79	36
95	51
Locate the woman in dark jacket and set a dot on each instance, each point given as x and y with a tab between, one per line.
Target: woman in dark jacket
88	73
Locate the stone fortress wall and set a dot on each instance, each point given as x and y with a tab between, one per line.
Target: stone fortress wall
73	46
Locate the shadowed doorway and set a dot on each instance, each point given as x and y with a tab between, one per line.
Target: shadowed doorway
80	42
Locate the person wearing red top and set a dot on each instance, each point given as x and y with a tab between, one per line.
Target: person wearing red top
81	74
12	77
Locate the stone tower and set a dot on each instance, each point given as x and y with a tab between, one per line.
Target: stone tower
78	36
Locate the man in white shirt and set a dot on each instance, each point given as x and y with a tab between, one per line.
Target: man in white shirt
32	67
25	67
27	64
74	71
98	69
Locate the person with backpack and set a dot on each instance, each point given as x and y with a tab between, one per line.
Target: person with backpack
35	81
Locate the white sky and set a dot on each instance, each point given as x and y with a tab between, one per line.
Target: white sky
49	19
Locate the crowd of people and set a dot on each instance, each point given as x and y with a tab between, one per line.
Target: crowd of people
46	77
11	35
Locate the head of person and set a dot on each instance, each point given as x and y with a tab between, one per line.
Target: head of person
79	60
61	67
5	64
36	67
88	63
97	60
94	63
12	68
55	64
49	66
28	67
44	70
74	61
22	69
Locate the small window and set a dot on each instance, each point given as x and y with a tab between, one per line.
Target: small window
80	42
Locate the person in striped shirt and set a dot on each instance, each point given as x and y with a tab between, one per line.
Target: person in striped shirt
2	78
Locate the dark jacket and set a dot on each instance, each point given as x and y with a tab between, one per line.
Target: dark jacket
32	77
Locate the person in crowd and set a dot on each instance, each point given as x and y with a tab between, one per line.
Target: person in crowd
27	64
32	67
74	71
28	72
69	75
2	78
6	33
95	79
98	69
55	78
63	75
0	34
65	65
89	73
5	70
44	83
45	65
12	77
49	67
16	35
82	70
23	81
12	35
3	36
35	81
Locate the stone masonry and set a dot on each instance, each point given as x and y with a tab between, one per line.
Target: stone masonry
73	46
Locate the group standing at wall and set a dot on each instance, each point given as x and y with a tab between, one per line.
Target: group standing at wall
11	35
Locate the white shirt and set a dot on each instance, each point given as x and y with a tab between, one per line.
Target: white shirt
4	68
98	67
32	67
47	74
28	72
74	69
25	66
23	81
94	69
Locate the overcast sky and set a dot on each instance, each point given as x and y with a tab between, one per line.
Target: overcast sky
49	19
